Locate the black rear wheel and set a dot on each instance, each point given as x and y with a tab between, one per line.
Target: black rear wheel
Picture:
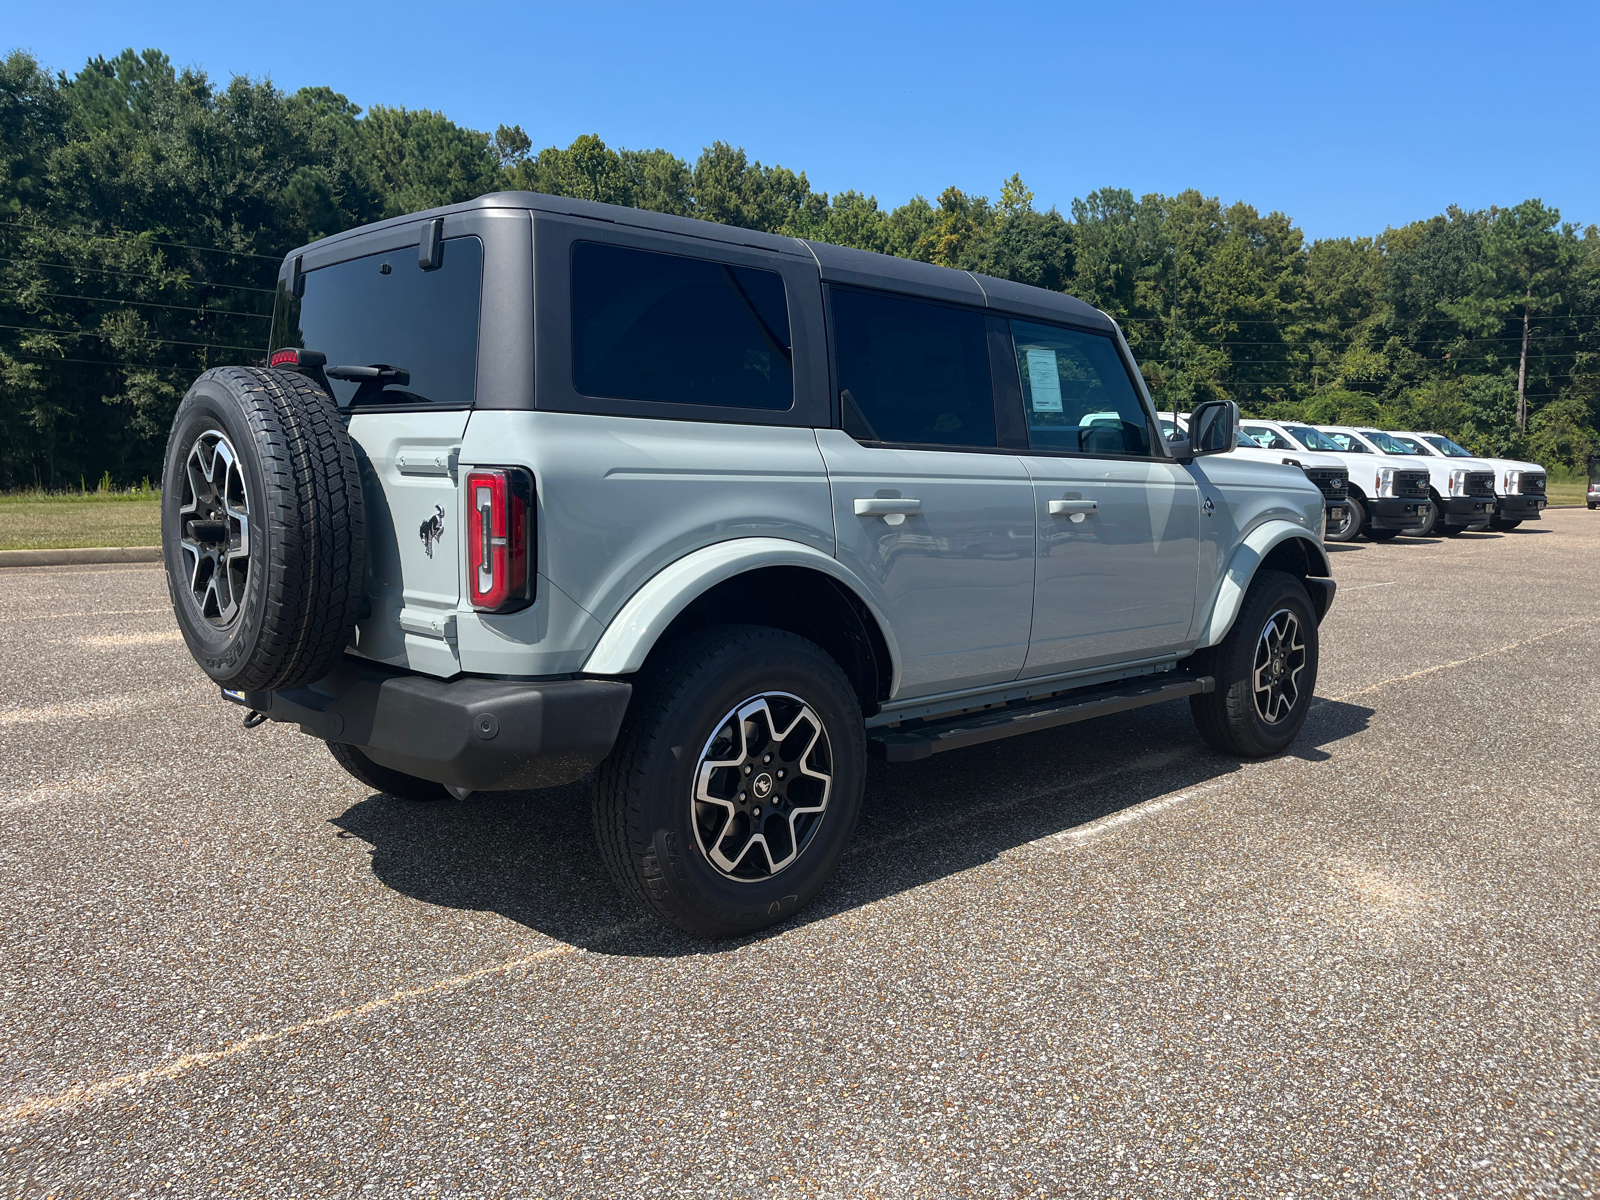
1265	668
734	784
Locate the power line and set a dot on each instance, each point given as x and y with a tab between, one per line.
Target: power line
126	238
225	312
102	362
107	337
178	282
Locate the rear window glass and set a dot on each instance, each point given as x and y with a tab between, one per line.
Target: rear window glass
386	311
1077	393
676	330
912	372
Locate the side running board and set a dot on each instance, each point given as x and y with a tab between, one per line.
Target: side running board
905	743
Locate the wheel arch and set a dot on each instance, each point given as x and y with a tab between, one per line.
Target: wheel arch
757	581
1276	546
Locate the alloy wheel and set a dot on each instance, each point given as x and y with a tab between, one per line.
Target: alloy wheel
1279	659
214	528
761	786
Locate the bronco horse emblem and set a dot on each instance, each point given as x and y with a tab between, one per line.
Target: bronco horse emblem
432	530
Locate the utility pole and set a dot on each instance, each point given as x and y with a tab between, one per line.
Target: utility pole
1522	366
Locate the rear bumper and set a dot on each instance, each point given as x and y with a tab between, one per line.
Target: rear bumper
1521	508
1390	512
477	734
1468	510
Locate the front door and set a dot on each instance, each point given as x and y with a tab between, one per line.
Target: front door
1118	523
1118	561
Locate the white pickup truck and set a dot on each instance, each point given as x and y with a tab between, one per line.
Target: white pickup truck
1384	499
1329	473
1462	489
1519	487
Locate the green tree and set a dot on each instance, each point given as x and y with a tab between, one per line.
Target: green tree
1526	257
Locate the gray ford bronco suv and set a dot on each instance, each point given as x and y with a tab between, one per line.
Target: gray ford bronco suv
533	488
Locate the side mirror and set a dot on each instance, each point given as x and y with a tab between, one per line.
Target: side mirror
1214	428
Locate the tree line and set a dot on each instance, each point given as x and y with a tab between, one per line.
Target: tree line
144	211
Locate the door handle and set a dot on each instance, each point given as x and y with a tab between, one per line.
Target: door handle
893	509
1067	508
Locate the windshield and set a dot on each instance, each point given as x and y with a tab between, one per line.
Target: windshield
1315	439
1169	430
1246	442
1446	447
1387	443
1412	445
1349	443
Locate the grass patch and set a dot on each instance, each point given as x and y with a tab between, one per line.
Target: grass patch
1567	491
71	520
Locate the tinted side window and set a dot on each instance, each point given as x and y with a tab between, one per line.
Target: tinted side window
1077	393
385	311
912	372
662	327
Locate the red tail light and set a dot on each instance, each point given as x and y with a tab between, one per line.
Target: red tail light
499	539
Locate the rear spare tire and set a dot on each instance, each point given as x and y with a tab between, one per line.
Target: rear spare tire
262	528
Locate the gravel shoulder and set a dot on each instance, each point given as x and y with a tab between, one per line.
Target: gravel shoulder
1097	961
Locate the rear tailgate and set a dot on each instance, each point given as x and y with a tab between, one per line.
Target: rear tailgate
409	474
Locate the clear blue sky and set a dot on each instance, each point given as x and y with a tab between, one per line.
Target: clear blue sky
1347	117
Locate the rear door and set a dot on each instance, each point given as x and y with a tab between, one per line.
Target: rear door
927	508
1119	525
401	342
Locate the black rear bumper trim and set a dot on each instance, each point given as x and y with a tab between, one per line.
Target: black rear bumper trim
471	733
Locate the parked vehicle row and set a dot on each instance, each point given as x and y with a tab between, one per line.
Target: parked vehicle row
1383	483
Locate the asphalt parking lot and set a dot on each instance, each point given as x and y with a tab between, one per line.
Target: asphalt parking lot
1098	961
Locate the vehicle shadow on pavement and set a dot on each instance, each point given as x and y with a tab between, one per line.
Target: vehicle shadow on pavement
531	856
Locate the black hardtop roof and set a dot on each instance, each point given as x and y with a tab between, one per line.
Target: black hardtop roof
838	264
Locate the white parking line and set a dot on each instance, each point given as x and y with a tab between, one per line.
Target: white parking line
79	1094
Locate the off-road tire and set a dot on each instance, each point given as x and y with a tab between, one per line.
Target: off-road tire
643	814
293	614
1228	718
385	779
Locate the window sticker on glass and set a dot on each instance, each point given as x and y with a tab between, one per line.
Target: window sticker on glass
1044	381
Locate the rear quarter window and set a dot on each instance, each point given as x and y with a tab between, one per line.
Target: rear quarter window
672	329
383	310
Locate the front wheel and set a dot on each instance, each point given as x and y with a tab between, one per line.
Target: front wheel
734	784
1265	668
1355	516
1504	525
1435	518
